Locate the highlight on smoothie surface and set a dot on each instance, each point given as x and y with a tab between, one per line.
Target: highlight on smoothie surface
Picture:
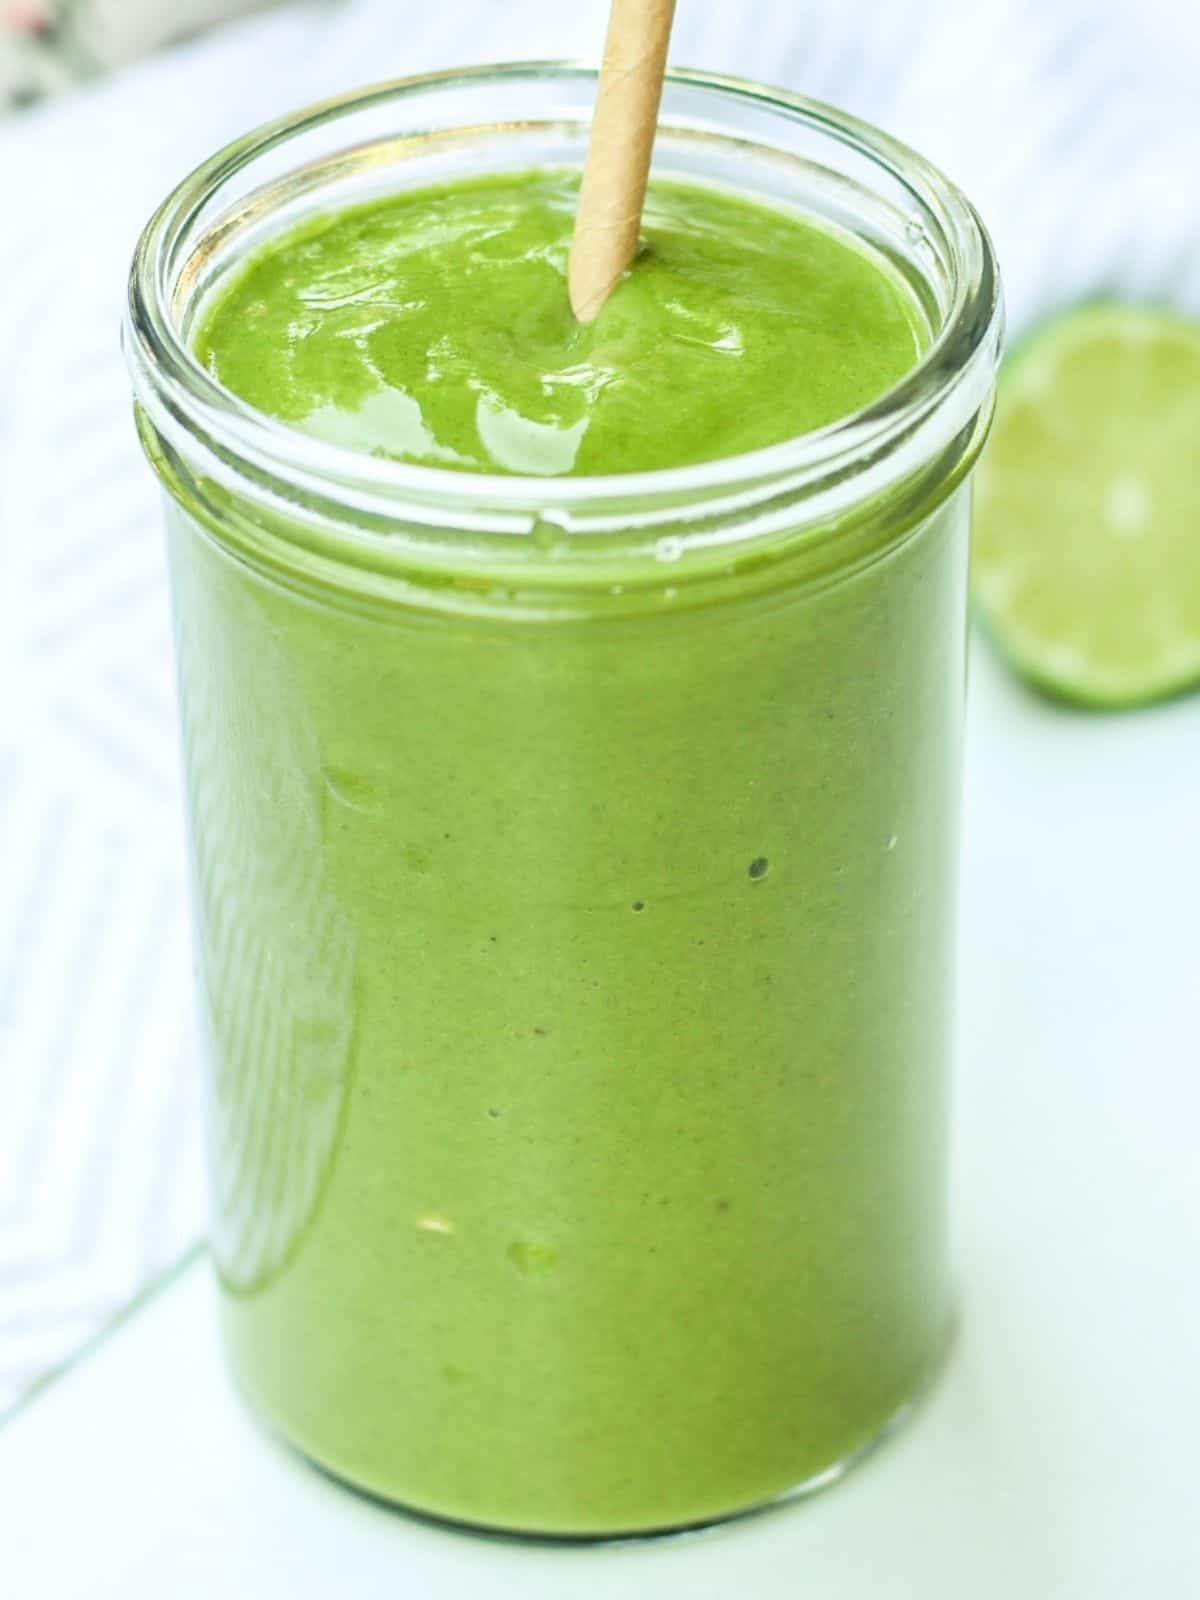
433	327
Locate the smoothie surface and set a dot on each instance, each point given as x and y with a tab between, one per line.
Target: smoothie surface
433	327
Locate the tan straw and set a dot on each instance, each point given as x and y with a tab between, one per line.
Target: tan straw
618	157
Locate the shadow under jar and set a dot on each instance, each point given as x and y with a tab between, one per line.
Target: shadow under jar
574	867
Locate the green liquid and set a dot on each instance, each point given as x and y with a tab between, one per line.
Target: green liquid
576	987
434	327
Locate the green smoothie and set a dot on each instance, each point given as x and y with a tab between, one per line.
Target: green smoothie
575	979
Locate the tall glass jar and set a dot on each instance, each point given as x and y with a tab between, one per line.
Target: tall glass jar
573	867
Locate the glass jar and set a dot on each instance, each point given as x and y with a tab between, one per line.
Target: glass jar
573	867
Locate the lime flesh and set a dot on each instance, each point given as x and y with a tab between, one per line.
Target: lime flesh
1086	559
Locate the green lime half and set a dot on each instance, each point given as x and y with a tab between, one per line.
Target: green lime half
1086	563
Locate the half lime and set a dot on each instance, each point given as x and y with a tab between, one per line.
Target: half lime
1086	557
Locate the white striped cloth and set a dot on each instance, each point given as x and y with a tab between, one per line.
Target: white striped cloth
1073	126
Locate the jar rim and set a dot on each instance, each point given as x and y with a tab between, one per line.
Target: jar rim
184	401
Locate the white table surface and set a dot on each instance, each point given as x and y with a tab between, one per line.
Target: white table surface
1057	1459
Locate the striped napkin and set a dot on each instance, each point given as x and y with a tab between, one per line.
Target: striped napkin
1072	125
